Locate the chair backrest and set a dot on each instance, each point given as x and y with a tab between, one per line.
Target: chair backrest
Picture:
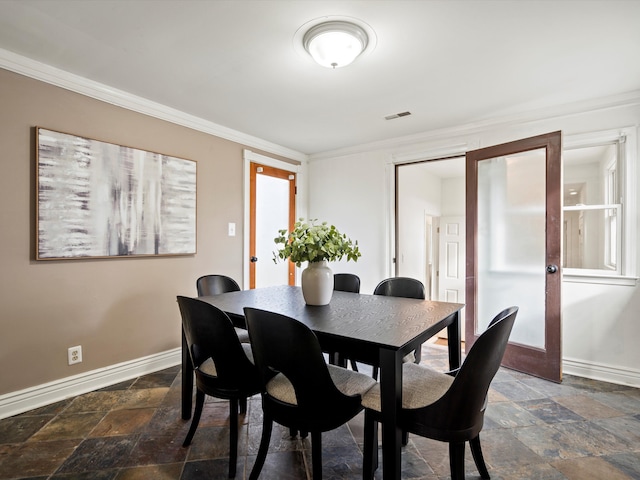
284	345
501	315
460	410
346	282
401	287
215	285
210	334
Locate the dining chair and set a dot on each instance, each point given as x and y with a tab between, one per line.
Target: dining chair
299	389
448	407
345	282
402	287
223	366
205	285
215	285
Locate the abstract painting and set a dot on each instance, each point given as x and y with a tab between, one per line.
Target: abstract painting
98	199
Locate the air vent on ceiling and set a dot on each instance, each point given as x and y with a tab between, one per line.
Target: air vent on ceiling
397	115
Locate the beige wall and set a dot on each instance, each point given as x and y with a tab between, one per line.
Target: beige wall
118	309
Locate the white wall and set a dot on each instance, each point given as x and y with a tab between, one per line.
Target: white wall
601	327
453	197
351	193
419	194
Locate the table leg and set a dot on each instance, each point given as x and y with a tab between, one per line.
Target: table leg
336	358
391	402
454	341
187	380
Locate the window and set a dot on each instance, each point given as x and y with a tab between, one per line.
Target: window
612	249
596	243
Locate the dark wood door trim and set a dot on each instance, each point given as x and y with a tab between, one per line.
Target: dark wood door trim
546	362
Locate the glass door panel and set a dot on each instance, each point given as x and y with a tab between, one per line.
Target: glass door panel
272	214
511	243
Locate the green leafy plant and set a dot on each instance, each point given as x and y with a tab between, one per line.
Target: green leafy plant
313	242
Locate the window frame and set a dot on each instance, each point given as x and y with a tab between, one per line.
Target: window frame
624	273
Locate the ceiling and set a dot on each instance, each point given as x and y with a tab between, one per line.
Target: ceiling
236	64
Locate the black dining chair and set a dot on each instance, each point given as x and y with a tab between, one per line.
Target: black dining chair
345	282
215	285
448	407
223	366
402	287
205	285
299	389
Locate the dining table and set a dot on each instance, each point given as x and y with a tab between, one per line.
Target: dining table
374	329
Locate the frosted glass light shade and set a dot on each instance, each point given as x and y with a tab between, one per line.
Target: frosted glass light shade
335	44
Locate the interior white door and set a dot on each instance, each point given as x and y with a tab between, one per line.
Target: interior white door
451	263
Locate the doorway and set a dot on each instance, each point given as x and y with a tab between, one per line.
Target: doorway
443	194
430	213
270	206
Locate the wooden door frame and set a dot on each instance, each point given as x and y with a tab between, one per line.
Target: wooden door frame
298	169
283	175
518	357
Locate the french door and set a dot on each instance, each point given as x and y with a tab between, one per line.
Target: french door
514	235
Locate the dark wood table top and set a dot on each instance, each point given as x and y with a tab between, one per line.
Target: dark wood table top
379	321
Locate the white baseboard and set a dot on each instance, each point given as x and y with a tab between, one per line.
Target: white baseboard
34	397
605	373
21	401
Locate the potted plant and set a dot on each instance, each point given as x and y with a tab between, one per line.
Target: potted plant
318	244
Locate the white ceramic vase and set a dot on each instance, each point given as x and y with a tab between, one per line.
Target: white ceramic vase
317	283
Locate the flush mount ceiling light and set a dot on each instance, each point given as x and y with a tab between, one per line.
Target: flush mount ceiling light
335	43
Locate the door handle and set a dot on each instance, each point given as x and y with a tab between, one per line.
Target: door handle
253	259
552	268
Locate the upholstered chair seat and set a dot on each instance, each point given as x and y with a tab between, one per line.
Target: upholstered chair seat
348	382
421	386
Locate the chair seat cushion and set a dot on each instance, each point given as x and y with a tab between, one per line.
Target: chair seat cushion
409	358
243	335
347	381
209	368
421	386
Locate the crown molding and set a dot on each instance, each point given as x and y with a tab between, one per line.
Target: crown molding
75	83
566	110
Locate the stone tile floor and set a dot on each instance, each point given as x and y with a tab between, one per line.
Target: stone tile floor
581	429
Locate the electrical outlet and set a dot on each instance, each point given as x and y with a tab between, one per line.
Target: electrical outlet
74	354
